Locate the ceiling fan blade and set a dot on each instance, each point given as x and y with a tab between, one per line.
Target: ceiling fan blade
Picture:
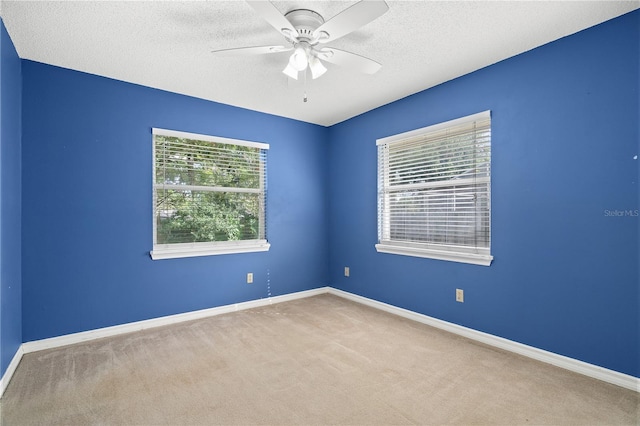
272	15
349	60
350	20
247	51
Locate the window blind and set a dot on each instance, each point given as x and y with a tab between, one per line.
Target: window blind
434	187
208	190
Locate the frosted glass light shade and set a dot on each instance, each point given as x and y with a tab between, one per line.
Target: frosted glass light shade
299	59
317	69
291	72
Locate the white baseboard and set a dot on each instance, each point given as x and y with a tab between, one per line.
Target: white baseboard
8	374
70	339
590	370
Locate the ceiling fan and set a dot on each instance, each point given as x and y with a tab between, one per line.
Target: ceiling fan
306	31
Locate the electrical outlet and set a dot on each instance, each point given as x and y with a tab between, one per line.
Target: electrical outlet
346	271
250	278
459	295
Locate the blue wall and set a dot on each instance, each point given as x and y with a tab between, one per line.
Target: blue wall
87	205
565	131
10	218
565	274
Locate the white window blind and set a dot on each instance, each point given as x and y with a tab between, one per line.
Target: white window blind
209	195
434	191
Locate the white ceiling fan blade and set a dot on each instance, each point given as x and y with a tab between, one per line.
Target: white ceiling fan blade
350	20
349	60
273	16
247	51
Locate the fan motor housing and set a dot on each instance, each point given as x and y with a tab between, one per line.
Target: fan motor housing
305	21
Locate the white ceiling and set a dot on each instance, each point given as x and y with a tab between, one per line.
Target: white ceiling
167	44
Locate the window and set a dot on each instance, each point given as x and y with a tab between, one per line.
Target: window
434	191
209	195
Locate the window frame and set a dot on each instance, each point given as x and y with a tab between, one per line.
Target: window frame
448	252
181	250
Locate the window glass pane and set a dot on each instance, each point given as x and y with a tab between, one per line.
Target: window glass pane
456	215
200	216
200	163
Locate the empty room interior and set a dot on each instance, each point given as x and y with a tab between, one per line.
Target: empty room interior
319	212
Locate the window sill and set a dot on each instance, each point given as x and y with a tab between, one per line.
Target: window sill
472	258
176	251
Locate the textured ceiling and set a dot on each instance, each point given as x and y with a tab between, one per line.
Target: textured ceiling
167	44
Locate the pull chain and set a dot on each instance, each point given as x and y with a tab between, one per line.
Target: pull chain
305	86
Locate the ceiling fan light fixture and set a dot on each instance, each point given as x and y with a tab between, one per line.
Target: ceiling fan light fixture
317	69
299	60
291	71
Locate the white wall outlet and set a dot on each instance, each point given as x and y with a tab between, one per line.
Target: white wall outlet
250	278
346	271
459	295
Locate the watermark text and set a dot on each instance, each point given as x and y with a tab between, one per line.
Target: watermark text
622	213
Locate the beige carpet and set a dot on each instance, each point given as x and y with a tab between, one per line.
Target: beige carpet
321	360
